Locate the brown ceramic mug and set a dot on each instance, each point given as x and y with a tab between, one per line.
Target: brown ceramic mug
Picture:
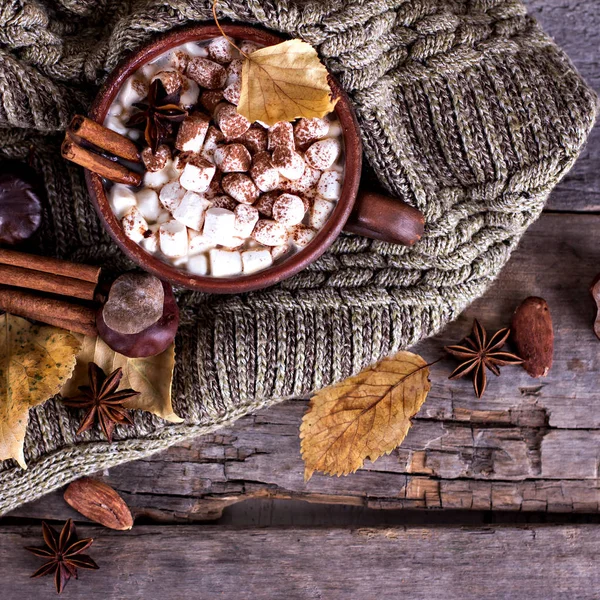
357	211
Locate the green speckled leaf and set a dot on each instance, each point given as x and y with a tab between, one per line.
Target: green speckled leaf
35	362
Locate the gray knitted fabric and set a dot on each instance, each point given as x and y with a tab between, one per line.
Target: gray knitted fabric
468	111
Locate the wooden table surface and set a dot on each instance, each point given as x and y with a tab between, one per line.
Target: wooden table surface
504	491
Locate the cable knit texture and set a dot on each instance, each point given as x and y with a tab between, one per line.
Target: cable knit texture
468	111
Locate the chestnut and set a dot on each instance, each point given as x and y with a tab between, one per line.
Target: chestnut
20	204
152	340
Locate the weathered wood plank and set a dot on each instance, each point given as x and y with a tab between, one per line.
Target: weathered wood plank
575	27
527	445
535	562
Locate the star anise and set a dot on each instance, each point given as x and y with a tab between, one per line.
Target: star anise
64	554
479	353
158	114
102	401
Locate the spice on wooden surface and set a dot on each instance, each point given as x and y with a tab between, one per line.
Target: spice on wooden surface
480	352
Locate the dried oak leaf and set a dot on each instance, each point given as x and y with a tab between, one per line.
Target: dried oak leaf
284	82
35	362
152	377
364	416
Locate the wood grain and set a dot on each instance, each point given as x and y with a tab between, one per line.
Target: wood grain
575	25
527	445
198	562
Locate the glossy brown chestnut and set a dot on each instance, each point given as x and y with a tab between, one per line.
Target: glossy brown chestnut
150	341
348	208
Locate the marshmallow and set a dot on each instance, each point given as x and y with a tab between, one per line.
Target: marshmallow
132	91
330	185
170	195
246	217
289	163
134	225
178	59
116	124
211	142
233	92
269	233
151	241
163	217
191	92
306	182
173	239
256	260
115	109
302	235
264	173
240	187
255	139
171	79
249	47
157	179
234	71
232	158
278	252
149	70
198	265
288	210
335	129
230	122
224	263
219	225
121	199
223	201
191	210
264	204
308	131
194	49
197	174
214	189
155	161
210	99
322	154
192	132
281	135
233	242
206	73
320	212
198	243
220	50
147	202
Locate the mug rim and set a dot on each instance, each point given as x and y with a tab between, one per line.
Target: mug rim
238	283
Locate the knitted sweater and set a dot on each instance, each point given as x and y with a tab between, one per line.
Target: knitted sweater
468	111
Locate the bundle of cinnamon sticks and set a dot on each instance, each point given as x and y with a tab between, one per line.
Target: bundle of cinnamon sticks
100	150
49	290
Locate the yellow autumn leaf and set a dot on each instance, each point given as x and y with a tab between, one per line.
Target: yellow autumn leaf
284	82
364	416
152	376
35	361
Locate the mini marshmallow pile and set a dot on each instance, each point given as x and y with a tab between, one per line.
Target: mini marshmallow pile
231	197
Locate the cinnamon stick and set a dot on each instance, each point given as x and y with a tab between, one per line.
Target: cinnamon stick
104	138
50	265
99	164
46	282
60	313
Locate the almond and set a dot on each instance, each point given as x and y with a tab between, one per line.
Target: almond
533	335
99	503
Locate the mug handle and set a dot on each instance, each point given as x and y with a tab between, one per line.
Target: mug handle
383	218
